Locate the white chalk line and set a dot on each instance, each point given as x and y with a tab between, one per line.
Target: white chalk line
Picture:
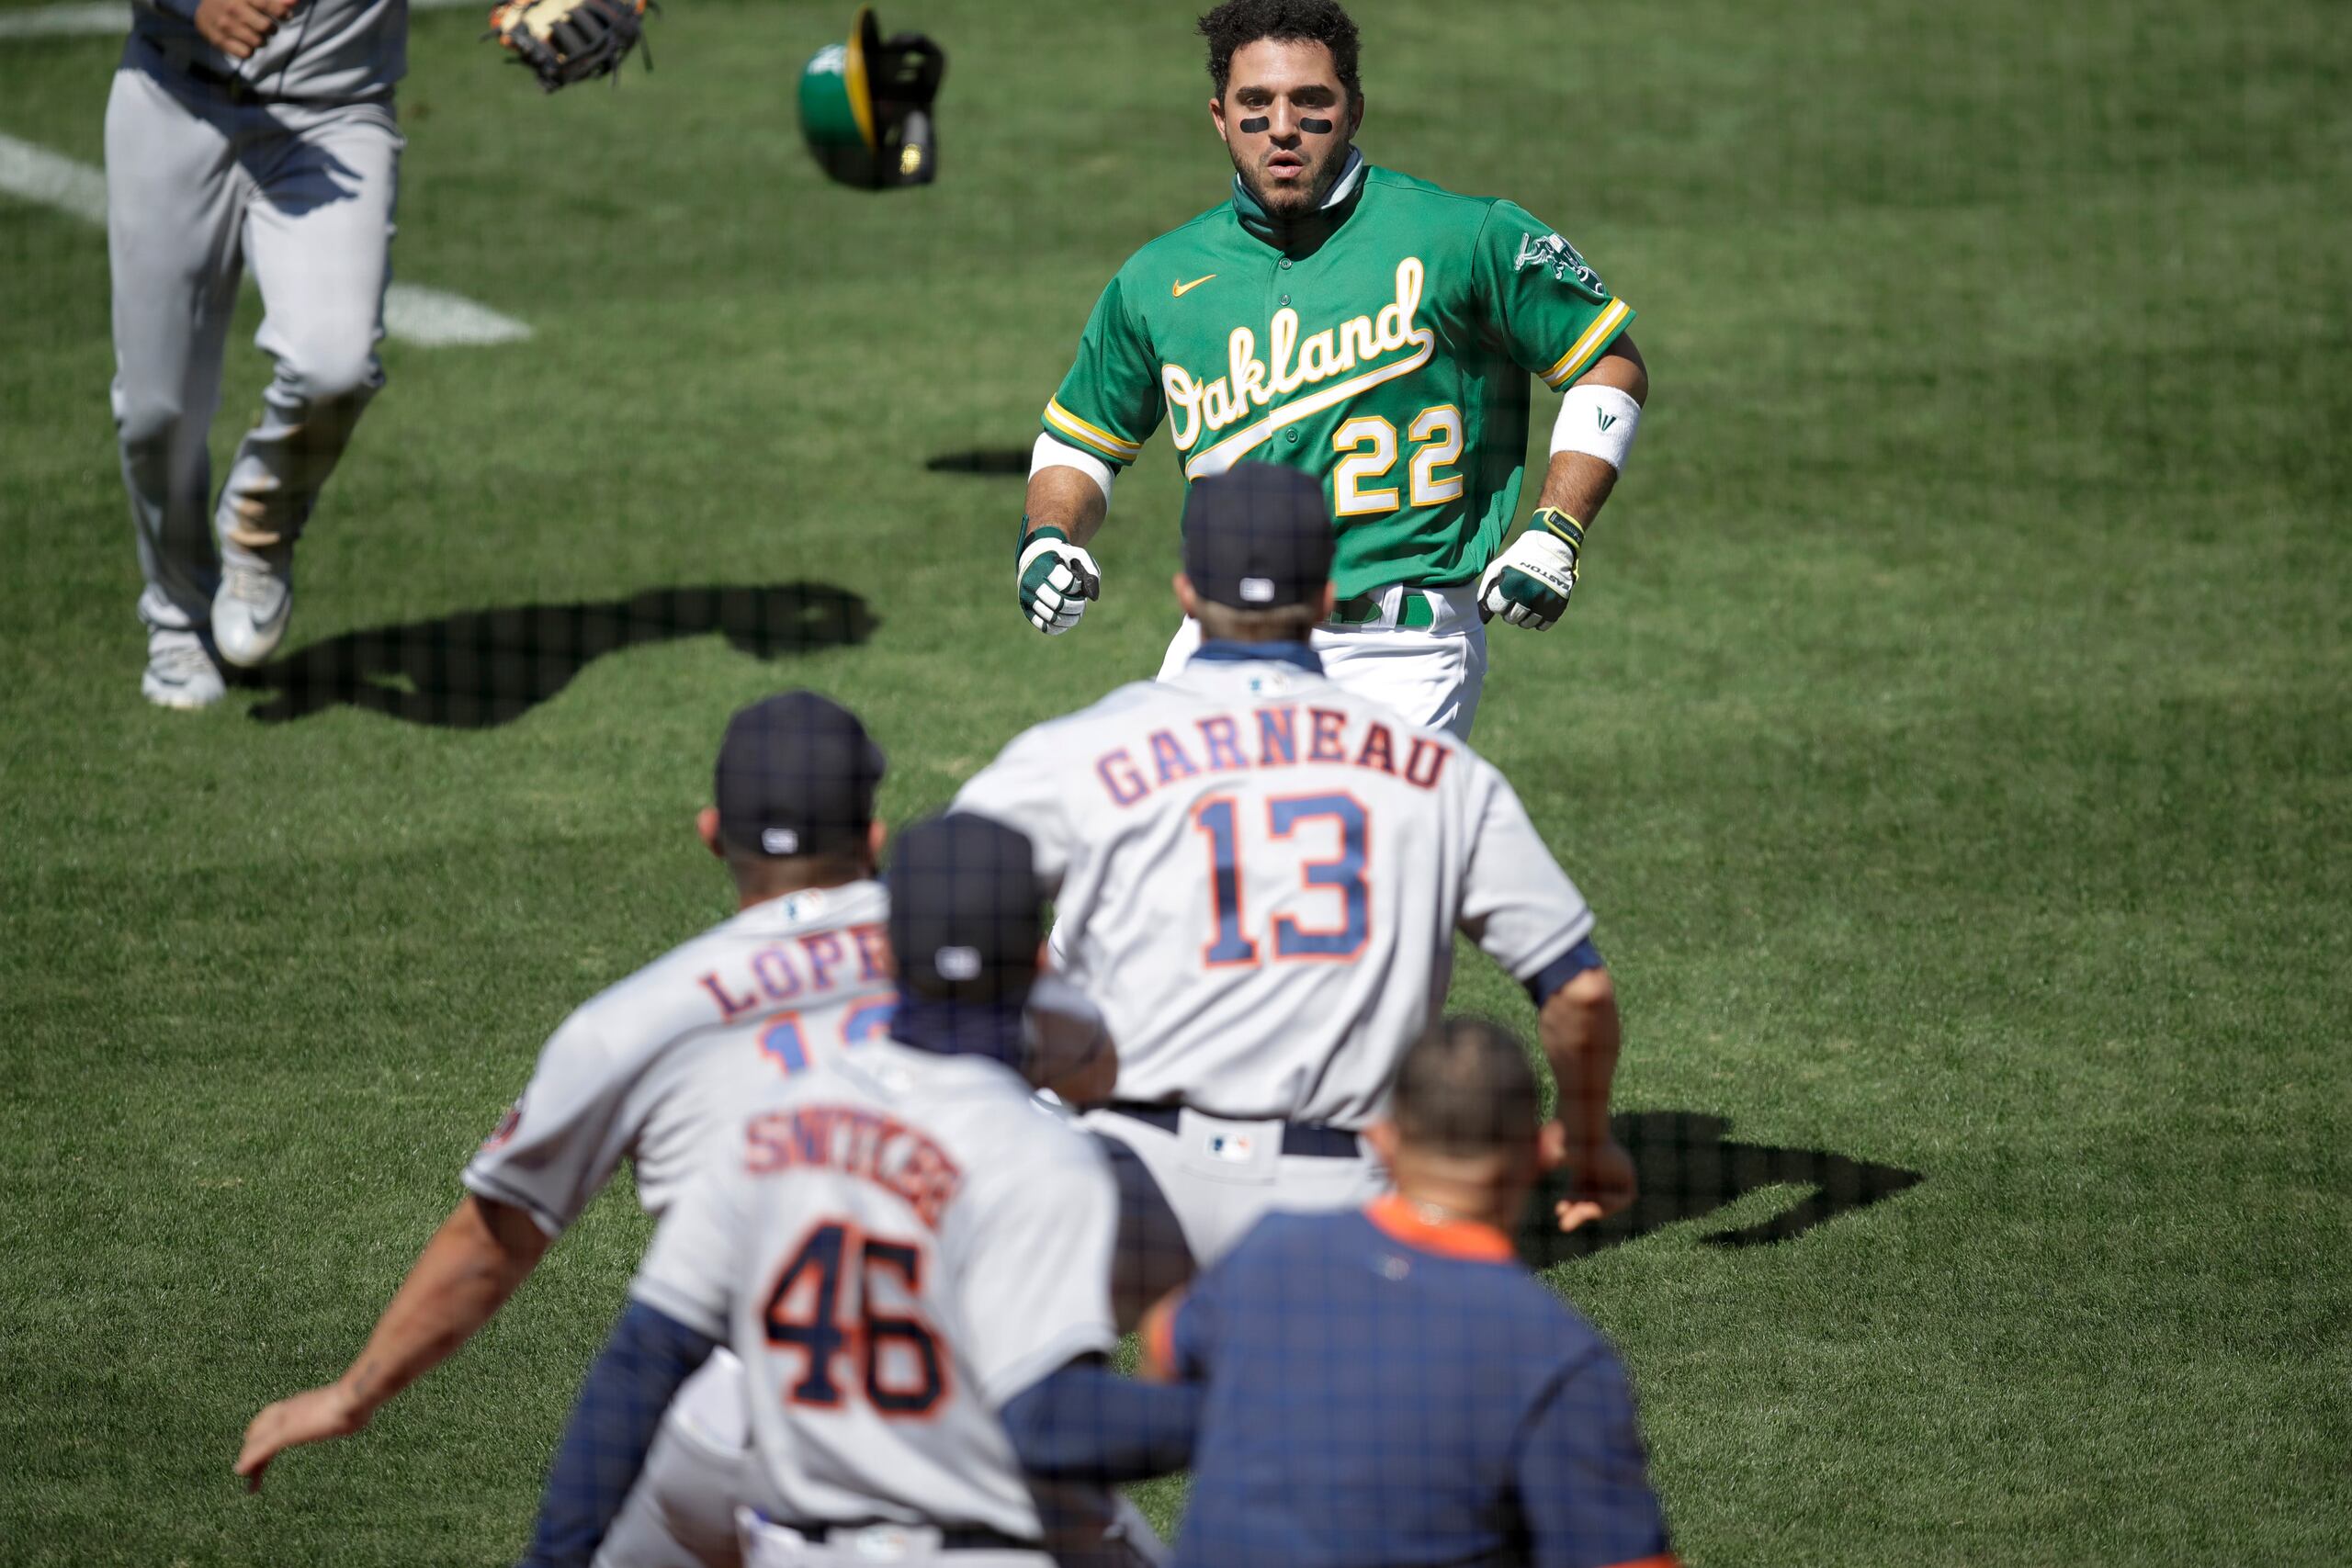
95	18
432	317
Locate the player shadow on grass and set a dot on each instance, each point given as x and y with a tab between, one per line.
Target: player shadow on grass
1689	1169
481	668
988	462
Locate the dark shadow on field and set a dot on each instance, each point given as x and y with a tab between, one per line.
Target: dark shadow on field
1689	1169
481	668
995	461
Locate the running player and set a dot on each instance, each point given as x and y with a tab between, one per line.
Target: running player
241	131
1260	872
909	1254
648	1071
1369	328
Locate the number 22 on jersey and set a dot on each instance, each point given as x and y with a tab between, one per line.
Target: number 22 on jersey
1367	449
1338	820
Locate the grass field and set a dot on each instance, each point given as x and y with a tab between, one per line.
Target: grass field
1952	730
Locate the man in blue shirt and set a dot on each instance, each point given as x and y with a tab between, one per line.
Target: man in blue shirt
1387	1385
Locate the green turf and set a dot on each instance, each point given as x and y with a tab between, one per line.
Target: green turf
1952	731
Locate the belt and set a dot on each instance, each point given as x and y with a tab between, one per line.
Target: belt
1416	613
1307	1138
952	1538
238	89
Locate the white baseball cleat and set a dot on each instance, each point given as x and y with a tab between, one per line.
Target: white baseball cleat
255	601
180	671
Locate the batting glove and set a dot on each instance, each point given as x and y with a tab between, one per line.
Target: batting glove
1528	584
1058	579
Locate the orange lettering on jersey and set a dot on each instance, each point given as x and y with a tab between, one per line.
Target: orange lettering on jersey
1117	771
1426	764
1169	758
1223	743
729	1006
1277	737
873	952
1327	745
873	1147
773	971
1379	751
824	950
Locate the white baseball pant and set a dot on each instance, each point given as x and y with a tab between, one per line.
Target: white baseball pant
1433	677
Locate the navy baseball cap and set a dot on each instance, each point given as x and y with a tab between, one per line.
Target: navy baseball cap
1257	537
797	776
967	913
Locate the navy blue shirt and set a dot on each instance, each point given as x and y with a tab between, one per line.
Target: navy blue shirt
1383	1390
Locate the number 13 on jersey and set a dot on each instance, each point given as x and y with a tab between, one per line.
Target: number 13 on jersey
1336	821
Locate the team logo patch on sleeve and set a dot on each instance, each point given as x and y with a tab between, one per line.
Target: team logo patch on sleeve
503	1134
1553	252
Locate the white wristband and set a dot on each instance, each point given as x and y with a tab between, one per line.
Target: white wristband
1599	420
1051	454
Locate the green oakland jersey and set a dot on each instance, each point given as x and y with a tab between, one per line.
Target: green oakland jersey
1390	360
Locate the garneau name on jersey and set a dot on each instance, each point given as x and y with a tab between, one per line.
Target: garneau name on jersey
1272	740
1260	874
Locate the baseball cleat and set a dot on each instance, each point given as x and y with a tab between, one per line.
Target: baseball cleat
255	601
180	671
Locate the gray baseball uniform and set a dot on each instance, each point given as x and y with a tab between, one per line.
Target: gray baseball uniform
1261	875
652	1071
894	1246
289	161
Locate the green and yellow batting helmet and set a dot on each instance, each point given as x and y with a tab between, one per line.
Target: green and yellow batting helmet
866	106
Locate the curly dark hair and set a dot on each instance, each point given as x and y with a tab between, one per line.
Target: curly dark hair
1239	22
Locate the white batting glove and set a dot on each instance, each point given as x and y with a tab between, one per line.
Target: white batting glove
1528	584
1057	580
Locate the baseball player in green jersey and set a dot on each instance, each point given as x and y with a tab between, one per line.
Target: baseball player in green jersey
1371	329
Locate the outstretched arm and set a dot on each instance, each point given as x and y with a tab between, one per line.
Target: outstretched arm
1084	1422
483	1251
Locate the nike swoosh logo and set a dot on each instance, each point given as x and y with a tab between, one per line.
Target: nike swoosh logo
1178	290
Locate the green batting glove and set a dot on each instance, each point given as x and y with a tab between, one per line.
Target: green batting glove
1528	584
1058	579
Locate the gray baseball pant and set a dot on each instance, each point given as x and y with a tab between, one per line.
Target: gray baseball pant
199	182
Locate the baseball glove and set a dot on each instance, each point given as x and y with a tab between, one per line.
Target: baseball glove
565	41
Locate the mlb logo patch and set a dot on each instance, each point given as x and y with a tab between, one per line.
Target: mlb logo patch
1233	1147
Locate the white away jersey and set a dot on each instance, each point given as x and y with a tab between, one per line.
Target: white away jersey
895	1246
649	1069
1261	875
